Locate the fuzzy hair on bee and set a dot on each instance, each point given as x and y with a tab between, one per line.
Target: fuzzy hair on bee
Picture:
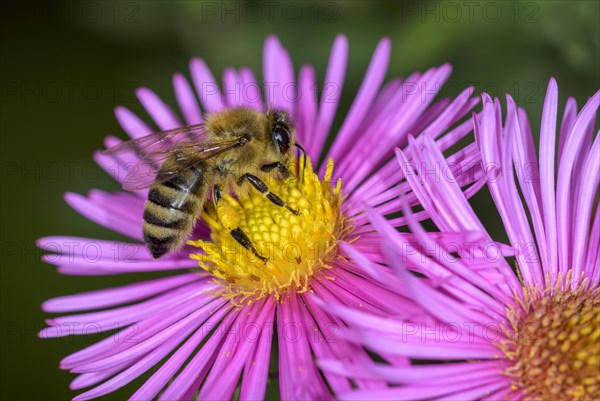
234	149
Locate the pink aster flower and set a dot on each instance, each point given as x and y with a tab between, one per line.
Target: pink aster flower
491	332
207	329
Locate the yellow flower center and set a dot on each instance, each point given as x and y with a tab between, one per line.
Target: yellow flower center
296	246
554	343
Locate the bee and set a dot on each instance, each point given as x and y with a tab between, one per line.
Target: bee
182	167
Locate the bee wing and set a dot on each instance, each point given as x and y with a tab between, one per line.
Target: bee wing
184	156
186	144
159	142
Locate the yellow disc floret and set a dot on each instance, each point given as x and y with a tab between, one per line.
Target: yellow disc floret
554	343
296	246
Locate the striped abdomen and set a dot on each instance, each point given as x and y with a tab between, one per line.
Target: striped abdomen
172	209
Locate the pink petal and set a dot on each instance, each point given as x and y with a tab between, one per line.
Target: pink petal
232	88
116	296
298	375
186	99
187	324
105	217
571	149
140	367
235	351
590	177
547	173
131	124
169	369
200	364
332	89
307	109
364	98
158	110
251	89
206	86
256	372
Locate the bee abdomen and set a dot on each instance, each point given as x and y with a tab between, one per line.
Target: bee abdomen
169	198
159	246
172	222
169	217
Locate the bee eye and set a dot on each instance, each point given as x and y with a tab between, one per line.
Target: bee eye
281	138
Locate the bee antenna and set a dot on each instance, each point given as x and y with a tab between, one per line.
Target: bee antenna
296	144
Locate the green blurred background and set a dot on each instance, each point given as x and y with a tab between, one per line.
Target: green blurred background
65	65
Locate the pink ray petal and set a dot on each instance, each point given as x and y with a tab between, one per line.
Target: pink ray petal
332	89
132	124
116	296
571	149
157	109
206	86
186	99
364	98
166	372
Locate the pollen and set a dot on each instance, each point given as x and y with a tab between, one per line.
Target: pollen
554	343
296	246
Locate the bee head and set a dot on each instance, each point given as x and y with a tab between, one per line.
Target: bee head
282	131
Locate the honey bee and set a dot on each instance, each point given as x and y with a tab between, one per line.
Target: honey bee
181	166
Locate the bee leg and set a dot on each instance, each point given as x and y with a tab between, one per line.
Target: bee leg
237	233
241	237
216	195
303	159
285	173
264	189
